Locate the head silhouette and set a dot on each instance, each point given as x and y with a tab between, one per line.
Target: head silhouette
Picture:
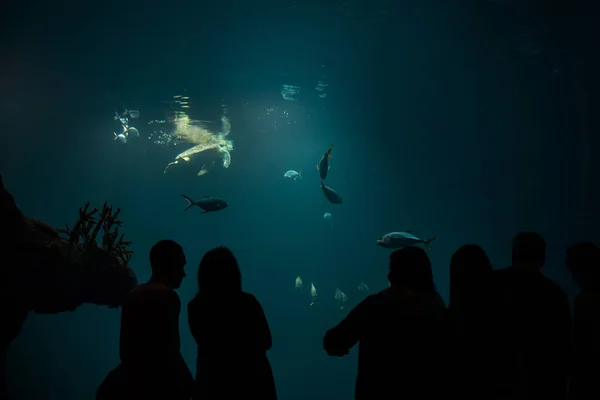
529	251
410	268
219	272
470	271
583	260
167	261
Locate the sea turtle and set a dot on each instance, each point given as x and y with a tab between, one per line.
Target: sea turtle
210	141
191	153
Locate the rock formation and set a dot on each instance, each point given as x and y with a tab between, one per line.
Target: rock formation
45	270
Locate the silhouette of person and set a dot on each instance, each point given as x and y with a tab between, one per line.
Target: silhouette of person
535	319
232	333
403	334
583	260
151	363
473	300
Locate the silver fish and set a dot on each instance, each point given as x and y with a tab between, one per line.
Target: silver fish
398	240
293	175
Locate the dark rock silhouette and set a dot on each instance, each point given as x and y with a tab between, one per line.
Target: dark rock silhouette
46	273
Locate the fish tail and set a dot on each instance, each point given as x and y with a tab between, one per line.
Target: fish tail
329	151
428	242
190	201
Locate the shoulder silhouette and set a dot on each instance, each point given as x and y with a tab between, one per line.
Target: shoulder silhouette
402	333
231	331
151	363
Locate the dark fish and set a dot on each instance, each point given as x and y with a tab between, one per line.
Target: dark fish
206	203
333	196
323	165
398	240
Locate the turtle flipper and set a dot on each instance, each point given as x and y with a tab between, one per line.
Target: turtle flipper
225	126
170	165
226	158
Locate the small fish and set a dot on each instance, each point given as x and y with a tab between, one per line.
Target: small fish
362	287
299	284
124	134
121	137
327	217
313	294
340	298
206	203
121	116
131	131
398	240
331	194
323	165
293	175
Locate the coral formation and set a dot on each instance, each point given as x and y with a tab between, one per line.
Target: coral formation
46	273
86	229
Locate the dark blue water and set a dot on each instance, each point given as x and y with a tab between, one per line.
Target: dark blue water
450	121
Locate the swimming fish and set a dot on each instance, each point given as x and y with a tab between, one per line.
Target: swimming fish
135	114
333	196
124	134
299	284
398	240
293	175
121	137
313	294
132	131
327	217
340	298
323	165
206	203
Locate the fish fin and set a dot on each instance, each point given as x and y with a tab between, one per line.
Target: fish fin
206	197
317	165
328	167
186	159
329	151
189	201
428	242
